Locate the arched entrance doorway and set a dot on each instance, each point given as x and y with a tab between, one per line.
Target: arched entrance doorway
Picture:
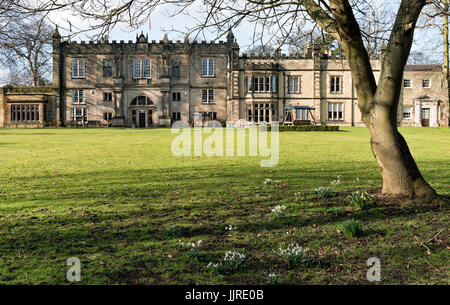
141	112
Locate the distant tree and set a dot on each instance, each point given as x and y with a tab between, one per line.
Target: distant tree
298	42
419	58
262	49
25	50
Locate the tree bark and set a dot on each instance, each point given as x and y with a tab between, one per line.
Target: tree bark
399	171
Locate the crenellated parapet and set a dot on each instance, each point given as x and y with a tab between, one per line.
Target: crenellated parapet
140	46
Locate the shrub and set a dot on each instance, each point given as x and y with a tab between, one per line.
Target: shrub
324	191
294	255
306	128
279	211
352	228
361	200
231	262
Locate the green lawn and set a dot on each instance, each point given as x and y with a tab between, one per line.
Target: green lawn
121	202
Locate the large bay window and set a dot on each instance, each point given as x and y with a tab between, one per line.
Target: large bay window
261	112
24	113
262	84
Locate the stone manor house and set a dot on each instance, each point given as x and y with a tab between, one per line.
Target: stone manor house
146	83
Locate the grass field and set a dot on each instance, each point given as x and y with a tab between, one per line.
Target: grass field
122	203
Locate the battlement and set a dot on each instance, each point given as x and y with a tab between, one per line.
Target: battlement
8	89
142	44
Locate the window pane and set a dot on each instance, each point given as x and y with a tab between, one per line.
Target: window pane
146	68
211	67
211	96
81	68
204	67
274	84
204	96
136	68
74	68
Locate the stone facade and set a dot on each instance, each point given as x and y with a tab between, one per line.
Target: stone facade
26	107
146	83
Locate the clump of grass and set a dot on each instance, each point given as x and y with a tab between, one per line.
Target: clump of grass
294	255
361	200
232	261
193	250
279	211
334	210
324	192
352	228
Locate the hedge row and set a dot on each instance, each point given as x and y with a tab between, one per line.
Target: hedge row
307	128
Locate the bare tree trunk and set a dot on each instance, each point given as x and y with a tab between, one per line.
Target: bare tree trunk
379	103
446	57
399	171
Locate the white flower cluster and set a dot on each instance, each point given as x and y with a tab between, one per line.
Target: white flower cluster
270	181
337	181
230	228
292	250
190	245
273	279
236	257
279	211
231	261
214	266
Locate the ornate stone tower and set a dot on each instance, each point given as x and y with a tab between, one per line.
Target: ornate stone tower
233	105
